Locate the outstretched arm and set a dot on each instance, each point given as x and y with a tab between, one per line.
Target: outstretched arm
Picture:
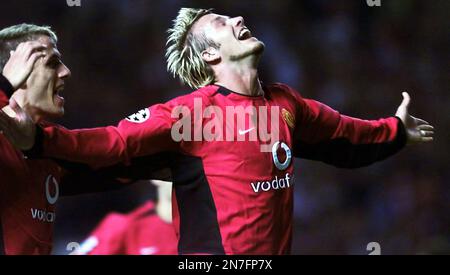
325	135
144	133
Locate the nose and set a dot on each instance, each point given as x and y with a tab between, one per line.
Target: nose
64	72
238	21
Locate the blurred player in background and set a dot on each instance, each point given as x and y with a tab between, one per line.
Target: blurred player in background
231	197
148	230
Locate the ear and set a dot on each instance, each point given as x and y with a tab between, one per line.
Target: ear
211	55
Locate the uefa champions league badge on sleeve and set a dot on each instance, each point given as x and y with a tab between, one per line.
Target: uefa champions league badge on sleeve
139	117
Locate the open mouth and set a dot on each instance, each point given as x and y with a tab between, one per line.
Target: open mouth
244	34
58	90
57	95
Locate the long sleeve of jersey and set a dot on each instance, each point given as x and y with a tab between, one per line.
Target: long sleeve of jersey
324	134
143	133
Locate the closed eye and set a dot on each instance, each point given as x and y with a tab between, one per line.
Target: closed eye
220	20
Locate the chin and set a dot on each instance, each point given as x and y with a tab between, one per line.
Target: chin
255	50
259	48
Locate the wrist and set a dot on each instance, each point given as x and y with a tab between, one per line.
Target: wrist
6	86
402	133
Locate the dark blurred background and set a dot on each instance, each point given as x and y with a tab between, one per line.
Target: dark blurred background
355	58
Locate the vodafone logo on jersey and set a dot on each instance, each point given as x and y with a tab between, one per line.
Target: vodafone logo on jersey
151	250
52	195
277	182
281	165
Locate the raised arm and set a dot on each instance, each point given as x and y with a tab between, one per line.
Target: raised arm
18	68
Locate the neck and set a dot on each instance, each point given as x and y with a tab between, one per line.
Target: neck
164	209
240	78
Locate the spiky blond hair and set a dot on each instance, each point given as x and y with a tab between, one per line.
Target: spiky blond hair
12	36
184	50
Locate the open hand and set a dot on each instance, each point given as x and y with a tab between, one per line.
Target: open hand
21	62
417	130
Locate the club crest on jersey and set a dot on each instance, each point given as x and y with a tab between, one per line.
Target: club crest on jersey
288	117
139	117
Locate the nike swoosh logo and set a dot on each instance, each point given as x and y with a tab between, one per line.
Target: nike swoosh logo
149	250
243	132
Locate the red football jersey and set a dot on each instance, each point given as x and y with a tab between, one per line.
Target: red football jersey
141	232
231	196
29	190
